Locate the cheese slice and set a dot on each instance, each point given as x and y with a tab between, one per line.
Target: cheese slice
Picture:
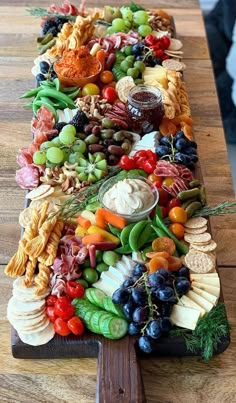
106	287
215	281
128	262
188	303
200	301
208	288
184	317
209	297
117	273
112	279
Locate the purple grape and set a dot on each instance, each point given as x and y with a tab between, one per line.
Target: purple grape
165	324
139	269
146	344
183	271
182	285
140	314
127	283
139	296
165	293
128	310
164	273
153	329
120	296
134	329
165	309
155	279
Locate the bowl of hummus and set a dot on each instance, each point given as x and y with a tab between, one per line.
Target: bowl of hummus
132	198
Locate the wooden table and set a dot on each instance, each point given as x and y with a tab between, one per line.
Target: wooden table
166	380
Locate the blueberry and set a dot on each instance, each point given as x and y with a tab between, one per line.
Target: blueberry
165	293
133	329
162	150
165	324
146	344
153	329
139	269
120	296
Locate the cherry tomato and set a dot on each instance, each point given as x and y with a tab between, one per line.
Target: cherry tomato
178	214
148	166
154	178
61	327
127	163
90	89
158	183
177	229
74	289
51	300
51	313
168	181
163	211
175	202
76	325
163	197
109	93
106	76
63	308
139	154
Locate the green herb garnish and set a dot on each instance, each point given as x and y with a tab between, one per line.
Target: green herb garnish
208	332
220	209
43	12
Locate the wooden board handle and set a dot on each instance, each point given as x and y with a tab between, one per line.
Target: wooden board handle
119	378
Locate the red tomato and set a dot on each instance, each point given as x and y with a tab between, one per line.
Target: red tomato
163	197
127	163
63	308
61	327
178	214
177	229
106	76
154	178
51	300
74	289
76	325
109	93
175	202
51	313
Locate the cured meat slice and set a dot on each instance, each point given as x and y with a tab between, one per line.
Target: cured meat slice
24	157
27	177
165	168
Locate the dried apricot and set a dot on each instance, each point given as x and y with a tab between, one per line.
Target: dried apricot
188	132
164	244
150	255
174	263
167	127
157	263
183	118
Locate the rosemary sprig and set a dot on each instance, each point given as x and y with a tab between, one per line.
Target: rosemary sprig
220	209
207	334
40	12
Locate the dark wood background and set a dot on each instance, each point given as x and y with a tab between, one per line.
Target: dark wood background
166	380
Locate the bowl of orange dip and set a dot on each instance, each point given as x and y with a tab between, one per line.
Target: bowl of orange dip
77	67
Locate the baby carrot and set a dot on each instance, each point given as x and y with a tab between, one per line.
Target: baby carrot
111	218
101	55
100	221
84	222
92	238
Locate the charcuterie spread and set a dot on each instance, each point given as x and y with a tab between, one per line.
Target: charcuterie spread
116	236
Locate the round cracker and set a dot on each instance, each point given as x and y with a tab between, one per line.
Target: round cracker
198	238
26	316
20	296
35	193
199	262
23	308
19	286
36	329
205	248
45	195
195	231
38	338
174	65
25	322
196	222
25	217
175	44
123	87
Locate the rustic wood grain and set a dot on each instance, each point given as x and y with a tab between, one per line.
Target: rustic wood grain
165	380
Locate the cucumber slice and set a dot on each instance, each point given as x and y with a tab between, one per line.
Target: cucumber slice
95	296
87	317
111	307
82	312
114	328
95	320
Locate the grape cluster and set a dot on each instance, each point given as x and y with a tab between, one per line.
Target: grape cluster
135	21
46	72
147	300
178	149
53	26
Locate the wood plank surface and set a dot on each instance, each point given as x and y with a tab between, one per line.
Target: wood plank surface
165	380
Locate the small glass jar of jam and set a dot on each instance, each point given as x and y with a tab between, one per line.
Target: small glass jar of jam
144	109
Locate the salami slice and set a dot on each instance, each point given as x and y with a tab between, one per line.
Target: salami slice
24	157
27	177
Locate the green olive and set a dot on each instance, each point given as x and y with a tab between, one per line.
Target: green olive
91	139
106	134
81	135
118	136
126	147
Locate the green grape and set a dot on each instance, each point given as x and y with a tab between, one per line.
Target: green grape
80	146
144	30
131	58
140	66
56	142
74	157
128	50
55	155
126	13
125	65
118	24
128	24
111	31
39	158
69	129
46	145
133	72
66	138
66	153
140	17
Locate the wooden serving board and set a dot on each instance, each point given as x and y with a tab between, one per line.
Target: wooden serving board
119	378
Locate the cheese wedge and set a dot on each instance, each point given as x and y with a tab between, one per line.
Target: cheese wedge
209	297
215	281
184	317
200	301
188	303
209	288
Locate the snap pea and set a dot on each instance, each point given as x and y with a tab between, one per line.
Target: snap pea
31	93
57	84
124	236
47	84
192	208
135	234
67	90
147	235
124	250
189	194
115	231
35	108
28	105
72	95
58	95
